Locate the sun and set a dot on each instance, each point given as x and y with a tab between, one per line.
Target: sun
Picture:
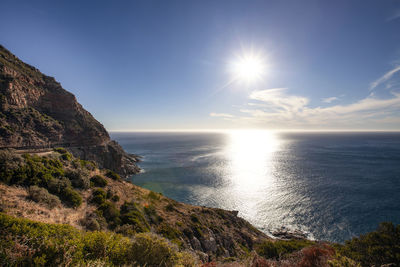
248	68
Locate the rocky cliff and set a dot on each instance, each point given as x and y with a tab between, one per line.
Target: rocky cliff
36	112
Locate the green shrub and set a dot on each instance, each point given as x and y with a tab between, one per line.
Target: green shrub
92	224
376	248
94	221
9	162
98	196
153	195
67	156
56	186
113	175
28	170
63	189
194	218
342	261
98	181
27	243
41	195
278	248
107	247
110	212
152	215
60	150
160	252
115	198
170	207
109	193
131	215
71	197
170	233
89	165
79	178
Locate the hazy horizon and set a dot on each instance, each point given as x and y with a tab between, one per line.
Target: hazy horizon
245	129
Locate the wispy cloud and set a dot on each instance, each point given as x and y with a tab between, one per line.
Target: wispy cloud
384	78
277	98
223	115
395	15
274	108
330	99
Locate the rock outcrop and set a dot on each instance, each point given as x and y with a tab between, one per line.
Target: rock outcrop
36	113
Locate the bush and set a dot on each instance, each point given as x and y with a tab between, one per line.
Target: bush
79	178
113	175
56	186
342	261
194	218
62	188
152	215
9	162
41	195
153	195
98	196
60	150
131	215
107	247
160	252
376	248
67	156
170	233
278	248
27	243
98	181
110	212
89	165
24	242
170	207
115	198
28	170
71	197
94	221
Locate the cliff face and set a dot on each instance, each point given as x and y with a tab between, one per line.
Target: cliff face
36	112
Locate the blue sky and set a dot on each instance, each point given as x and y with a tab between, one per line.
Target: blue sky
164	64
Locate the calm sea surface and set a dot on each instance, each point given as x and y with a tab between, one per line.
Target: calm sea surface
330	185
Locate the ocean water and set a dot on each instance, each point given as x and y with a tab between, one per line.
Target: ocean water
332	186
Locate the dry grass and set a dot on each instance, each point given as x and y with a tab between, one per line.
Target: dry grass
14	201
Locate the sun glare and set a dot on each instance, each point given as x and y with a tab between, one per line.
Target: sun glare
248	68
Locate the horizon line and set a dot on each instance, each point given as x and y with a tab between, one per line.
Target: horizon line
245	129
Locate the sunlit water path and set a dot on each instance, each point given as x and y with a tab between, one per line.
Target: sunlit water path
331	185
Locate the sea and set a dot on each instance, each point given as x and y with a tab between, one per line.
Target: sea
330	185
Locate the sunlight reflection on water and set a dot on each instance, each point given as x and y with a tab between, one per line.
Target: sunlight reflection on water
321	183
249	171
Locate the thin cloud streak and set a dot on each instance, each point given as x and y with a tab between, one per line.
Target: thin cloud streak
223	115
384	78
330	99
277	98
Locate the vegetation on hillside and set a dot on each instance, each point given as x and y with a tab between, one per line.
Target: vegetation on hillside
27	243
125	224
49	173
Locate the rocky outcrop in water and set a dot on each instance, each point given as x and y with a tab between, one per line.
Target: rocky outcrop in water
36	112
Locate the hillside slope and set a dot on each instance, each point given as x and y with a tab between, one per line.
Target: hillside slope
56	187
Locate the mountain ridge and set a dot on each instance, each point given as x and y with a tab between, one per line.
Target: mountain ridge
37	113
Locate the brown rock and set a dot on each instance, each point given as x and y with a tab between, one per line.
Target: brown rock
36	112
